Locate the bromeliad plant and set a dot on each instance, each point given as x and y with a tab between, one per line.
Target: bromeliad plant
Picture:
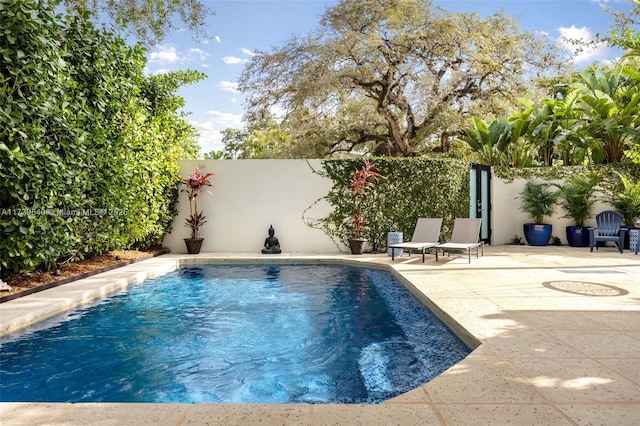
195	183
361	185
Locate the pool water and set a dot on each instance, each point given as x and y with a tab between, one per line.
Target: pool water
236	334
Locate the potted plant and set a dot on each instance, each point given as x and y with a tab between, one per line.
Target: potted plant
576	198
195	183
538	201
361	186
625	198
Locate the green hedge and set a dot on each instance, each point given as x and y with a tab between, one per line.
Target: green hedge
411	188
88	143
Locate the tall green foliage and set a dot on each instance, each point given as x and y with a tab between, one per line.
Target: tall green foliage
411	188
538	201
626	198
593	119
576	197
88	143
489	142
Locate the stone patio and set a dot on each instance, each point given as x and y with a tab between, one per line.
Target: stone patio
559	329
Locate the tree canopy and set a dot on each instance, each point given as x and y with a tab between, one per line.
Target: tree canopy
149	20
592	116
392	77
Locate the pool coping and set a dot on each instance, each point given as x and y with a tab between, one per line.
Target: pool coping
77	277
497	383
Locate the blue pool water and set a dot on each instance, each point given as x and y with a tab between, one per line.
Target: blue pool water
236	333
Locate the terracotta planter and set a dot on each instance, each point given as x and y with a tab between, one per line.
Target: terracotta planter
357	245
193	245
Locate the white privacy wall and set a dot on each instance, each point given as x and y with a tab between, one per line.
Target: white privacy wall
249	195
507	219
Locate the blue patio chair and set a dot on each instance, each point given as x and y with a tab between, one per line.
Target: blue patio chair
608	228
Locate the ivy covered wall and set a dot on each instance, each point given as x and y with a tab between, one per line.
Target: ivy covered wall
409	189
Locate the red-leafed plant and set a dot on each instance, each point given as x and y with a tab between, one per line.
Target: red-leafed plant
361	185
195	184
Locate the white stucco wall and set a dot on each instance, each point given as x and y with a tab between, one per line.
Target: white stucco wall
249	195
507	219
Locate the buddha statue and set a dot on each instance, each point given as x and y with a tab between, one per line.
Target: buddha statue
271	243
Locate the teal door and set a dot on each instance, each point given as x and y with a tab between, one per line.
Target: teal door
480	199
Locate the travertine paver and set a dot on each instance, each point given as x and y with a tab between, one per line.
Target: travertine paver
559	326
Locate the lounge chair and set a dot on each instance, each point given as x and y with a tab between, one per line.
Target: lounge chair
425	236
465	236
608	228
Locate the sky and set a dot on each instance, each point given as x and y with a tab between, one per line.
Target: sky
241	27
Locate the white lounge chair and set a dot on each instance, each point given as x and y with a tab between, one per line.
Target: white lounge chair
425	236
465	236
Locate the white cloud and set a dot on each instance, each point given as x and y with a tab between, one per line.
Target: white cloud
225	119
248	52
167	54
607	3
217	39
231	60
210	137
161	71
211	130
199	53
277	112
229	86
164	54
592	53
600	3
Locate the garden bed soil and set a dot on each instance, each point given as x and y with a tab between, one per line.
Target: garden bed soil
26	283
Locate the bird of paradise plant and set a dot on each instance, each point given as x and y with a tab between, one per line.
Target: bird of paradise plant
195	183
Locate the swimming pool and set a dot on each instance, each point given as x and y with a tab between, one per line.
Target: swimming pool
236	333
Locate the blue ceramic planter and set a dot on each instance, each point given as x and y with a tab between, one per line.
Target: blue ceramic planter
537	235
578	236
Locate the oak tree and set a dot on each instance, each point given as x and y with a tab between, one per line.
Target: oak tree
393	77
149	20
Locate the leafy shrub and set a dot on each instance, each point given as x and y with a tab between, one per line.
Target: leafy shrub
88	143
538	200
412	188
626	199
576	197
